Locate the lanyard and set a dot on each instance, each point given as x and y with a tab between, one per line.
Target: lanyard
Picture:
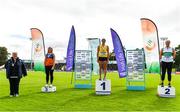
13	62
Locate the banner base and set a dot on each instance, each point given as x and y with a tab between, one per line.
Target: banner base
141	88
83	86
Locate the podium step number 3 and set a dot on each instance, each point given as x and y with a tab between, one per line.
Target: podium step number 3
166	91
103	87
47	89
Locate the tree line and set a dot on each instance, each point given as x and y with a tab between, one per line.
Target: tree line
4	56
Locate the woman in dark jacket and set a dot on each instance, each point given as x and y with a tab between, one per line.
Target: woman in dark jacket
15	69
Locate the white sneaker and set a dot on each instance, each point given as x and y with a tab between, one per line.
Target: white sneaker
16	95
46	85
10	95
50	85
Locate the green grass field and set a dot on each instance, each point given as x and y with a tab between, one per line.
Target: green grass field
68	98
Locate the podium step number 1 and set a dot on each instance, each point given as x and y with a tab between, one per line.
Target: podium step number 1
166	91
103	87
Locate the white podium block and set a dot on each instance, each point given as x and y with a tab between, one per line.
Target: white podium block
166	91
47	89
103	87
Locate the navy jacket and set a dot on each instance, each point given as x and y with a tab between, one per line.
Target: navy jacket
21	71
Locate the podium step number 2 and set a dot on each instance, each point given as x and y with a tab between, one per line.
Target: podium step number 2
166	91
103	87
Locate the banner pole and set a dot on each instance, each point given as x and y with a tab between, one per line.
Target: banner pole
72	77
31	54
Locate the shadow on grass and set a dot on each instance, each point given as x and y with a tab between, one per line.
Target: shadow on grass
21	96
5	97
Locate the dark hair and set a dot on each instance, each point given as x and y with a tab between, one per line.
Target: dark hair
50	48
103	39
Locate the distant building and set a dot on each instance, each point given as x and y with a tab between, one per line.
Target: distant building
112	65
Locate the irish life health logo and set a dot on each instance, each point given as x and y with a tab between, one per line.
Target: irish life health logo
150	45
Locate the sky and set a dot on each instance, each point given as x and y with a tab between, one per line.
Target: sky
91	19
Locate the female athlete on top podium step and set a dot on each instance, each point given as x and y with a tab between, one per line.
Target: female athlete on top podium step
103	57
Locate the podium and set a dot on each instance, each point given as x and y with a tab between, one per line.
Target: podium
166	91
103	87
48	89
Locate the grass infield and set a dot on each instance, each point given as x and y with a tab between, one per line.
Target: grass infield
67	98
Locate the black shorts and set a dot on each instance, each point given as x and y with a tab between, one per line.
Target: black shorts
102	59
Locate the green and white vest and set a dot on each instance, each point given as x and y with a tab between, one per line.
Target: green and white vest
167	55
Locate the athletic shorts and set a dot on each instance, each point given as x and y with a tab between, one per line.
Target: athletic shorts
102	59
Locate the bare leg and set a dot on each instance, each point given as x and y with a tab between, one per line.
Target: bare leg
100	67
105	68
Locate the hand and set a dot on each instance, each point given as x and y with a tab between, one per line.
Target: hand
174	59
108	61
52	68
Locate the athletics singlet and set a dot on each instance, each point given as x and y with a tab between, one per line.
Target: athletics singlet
103	51
167	55
49	59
